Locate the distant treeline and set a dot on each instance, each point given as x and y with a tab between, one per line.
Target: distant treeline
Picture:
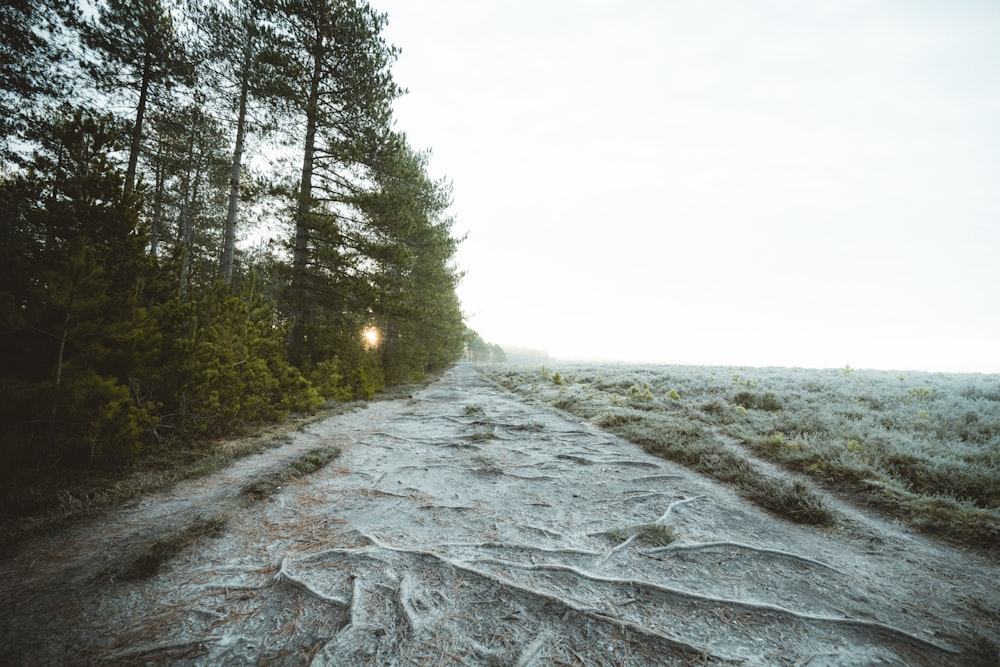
479	351
209	220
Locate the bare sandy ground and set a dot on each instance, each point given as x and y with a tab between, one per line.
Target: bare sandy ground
465	526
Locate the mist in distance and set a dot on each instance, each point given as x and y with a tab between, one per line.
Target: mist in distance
724	183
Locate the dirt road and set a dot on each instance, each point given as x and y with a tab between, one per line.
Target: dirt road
464	526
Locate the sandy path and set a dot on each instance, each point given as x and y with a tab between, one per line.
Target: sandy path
466	526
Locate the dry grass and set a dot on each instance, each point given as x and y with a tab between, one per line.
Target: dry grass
271	483
149	561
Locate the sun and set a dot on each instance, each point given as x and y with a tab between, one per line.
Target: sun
371	336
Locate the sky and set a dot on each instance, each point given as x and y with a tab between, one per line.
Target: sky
719	182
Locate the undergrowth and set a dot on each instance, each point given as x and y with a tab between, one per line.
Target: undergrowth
37	501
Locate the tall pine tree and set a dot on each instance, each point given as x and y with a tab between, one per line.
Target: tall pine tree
138	50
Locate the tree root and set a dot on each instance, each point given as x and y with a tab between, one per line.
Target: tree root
738	604
404	599
531	651
532	478
284	575
582	460
159	647
748	547
657	478
629	463
612	552
542	531
750	608
355	605
676	503
235	587
458	508
678	644
641	495
383	434
510	546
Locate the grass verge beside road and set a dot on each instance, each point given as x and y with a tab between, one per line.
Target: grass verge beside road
923	448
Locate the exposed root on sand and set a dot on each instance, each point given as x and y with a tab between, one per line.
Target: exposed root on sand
746	547
284	576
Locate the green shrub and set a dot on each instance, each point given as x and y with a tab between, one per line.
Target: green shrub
639	394
749	400
328	379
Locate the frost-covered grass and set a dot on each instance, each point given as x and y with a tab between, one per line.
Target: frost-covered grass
924	447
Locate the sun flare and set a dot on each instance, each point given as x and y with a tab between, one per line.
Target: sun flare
371	336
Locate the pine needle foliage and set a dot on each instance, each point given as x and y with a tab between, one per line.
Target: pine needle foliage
133	317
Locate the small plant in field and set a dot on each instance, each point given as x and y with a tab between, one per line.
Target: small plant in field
481	435
923	392
673	395
657	534
639	394
474	409
557	379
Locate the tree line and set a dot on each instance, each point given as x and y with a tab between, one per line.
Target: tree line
206	203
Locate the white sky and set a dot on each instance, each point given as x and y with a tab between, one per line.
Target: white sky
745	182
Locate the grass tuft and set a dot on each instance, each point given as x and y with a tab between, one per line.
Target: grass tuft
152	558
650	534
269	484
486	466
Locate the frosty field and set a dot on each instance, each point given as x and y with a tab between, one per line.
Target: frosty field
922	447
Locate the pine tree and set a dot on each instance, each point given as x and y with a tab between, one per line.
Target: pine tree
139	50
78	301
416	301
344	63
245	56
32	50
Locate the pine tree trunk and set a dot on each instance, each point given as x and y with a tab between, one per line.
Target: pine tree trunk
229	242
140	112
300	256
157	221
